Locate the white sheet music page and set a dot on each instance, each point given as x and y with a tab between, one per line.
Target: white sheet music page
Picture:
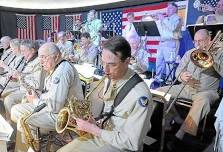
156	92
85	69
5	129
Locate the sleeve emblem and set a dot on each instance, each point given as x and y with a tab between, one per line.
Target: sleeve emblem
143	101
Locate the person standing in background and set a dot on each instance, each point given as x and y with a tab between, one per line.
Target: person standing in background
129	30
170	32
93	26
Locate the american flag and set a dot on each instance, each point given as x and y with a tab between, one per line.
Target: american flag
152	43
26	26
113	20
51	24
213	3
70	21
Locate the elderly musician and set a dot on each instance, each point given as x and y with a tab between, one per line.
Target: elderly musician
129	30
5	44
170	32
30	76
93	26
65	46
118	130
88	51
200	84
139	60
61	83
16	62
213	18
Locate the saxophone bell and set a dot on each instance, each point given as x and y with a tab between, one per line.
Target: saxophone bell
66	119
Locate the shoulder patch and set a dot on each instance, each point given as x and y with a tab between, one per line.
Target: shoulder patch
143	101
56	80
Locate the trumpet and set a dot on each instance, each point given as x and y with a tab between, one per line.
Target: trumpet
152	17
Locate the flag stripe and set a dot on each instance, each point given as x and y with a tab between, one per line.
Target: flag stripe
26	26
152	43
145	8
51	23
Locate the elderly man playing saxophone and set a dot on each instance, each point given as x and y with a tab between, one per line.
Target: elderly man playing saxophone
61	83
30	75
201	85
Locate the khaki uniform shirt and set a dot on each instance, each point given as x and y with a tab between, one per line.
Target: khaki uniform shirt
209	78
59	86
32	75
66	49
88	55
132	117
142	63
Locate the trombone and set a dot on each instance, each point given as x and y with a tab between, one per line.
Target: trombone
200	58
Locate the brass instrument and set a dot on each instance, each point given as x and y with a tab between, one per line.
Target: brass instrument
76	109
204	58
33	142
30	141
27	86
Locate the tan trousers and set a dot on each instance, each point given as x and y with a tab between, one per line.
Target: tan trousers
200	106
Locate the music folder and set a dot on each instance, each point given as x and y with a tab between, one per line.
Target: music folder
212	28
146	28
107	34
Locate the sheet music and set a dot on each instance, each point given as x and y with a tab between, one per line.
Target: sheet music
85	69
5	129
156	92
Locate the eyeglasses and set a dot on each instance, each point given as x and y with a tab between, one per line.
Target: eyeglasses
199	41
45	57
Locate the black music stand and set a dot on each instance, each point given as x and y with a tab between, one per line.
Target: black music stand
147	28
107	34
77	34
213	29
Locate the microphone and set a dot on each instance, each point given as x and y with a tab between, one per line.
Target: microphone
39	107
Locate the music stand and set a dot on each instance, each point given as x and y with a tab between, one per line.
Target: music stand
77	34
147	28
213	29
107	34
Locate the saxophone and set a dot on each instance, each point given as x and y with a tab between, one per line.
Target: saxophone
30	141
76	109
27	86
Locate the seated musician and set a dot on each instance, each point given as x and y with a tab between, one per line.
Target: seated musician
139	62
87	52
201	85
16	62
65	46
5	44
213	18
128	119
61	83
30	75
